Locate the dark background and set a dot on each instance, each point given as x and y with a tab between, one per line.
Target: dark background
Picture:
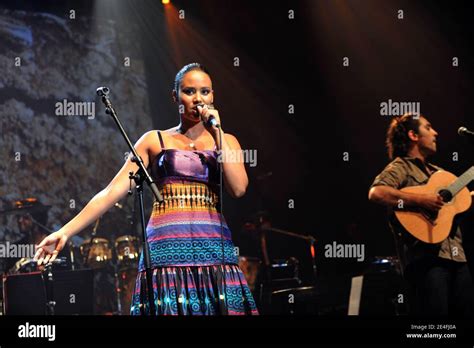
337	108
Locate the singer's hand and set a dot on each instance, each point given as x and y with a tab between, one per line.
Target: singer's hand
205	112
49	248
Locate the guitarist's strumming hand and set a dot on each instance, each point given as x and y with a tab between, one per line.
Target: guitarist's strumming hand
430	201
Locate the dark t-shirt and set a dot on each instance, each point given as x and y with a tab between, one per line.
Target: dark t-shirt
410	171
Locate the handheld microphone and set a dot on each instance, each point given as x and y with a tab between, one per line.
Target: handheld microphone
463	131
211	121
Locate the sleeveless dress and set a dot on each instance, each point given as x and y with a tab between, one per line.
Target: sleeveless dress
184	235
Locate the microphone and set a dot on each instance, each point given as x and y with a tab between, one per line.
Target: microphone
465	132
102	91
211	121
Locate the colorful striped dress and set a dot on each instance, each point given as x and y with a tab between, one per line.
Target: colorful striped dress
184	235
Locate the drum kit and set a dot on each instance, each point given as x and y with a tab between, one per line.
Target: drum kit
121	256
99	254
118	257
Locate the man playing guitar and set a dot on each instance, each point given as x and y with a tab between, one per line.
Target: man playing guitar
437	272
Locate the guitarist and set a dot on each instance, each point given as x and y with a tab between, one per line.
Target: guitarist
437	274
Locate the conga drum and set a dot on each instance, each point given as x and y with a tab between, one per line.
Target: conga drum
127	250
97	254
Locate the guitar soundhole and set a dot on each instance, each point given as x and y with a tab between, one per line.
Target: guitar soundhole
446	195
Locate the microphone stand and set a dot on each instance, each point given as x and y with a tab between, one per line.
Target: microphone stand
139	177
223	298
49	285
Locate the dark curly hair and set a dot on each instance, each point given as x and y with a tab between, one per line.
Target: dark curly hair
397	140
185	69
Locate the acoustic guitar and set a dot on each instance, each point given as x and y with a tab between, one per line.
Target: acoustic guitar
434	227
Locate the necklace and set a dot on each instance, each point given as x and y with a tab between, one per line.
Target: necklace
191	144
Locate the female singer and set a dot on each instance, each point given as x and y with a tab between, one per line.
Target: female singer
184	231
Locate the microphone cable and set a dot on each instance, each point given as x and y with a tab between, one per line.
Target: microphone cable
223	301
221	217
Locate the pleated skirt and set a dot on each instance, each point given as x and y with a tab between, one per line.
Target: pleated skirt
195	290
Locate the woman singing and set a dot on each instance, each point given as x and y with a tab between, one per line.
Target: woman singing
184	231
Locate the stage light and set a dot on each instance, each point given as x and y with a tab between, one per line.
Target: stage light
165	2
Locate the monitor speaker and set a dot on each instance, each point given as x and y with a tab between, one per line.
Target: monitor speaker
25	294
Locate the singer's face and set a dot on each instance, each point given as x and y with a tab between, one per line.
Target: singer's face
196	88
427	137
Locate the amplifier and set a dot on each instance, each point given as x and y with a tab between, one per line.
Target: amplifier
25	294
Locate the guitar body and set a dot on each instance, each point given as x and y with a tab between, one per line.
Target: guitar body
434	230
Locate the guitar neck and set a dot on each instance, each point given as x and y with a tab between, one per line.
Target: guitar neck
462	181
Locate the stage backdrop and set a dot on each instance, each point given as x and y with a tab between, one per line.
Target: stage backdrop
57	143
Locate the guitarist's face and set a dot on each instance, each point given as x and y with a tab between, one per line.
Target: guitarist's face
426	138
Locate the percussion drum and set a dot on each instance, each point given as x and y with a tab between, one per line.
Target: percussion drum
97	255
127	249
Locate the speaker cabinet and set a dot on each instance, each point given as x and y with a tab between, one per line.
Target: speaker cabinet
25	294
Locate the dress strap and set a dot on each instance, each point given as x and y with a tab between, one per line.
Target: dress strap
161	140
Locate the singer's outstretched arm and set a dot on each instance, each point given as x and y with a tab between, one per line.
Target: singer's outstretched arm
98	205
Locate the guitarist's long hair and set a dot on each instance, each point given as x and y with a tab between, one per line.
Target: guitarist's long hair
398	142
